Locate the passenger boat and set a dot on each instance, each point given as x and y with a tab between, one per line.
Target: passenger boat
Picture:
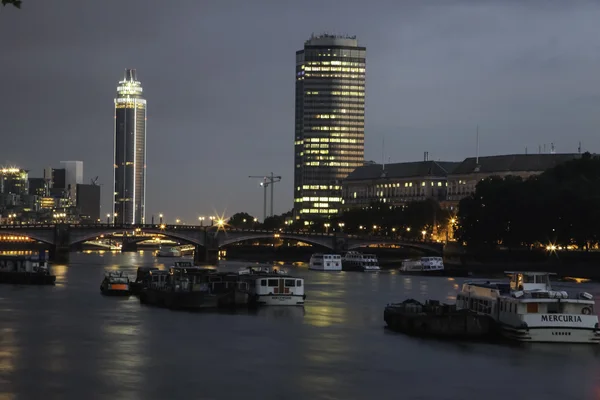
140	279
325	262
423	265
355	261
169	252
529	310
28	270
115	283
273	287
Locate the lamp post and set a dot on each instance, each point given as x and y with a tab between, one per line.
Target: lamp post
177	221
107	219
212	220
201	219
424	232
160	219
341	224
326	225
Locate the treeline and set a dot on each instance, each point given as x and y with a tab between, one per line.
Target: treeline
408	221
560	207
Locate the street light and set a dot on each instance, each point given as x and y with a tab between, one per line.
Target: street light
424	232
160	216
212	220
107	219
341	224
326	225
201	219
177	221
115	219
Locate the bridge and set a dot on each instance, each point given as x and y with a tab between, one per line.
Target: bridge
207	240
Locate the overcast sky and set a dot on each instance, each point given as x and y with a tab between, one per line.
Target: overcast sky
219	80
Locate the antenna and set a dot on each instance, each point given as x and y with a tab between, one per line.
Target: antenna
382	152
477	151
552	151
579	148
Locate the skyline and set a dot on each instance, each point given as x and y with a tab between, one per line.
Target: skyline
435	72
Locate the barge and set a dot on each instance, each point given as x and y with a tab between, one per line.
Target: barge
26	270
115	283
434	319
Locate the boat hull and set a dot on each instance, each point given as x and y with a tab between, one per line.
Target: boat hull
108	292
356	268
552	335
447	324
280	300
26	278
325	269
179	300
440	272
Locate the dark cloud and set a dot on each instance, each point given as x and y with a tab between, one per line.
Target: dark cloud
218	76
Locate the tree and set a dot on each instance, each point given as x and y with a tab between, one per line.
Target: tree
16	3
241	220
558	207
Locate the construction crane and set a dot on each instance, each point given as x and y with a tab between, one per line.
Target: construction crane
267	181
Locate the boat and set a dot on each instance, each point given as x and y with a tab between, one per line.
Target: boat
527	309
325	262
273	287
168	252
140	279
115	283
184	286
434	319
423	265
355	261
28	270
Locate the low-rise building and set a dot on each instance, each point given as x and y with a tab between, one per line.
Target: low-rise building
464	178
396	184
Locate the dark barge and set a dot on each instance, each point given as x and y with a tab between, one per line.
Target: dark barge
26	270
434	319
184	286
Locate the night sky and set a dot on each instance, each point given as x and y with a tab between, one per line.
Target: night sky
219	80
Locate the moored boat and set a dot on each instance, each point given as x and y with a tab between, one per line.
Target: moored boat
115	283
325	262
423	266
168	252
433	319
27	270
355	261
273	287
183	287
529	310
140	279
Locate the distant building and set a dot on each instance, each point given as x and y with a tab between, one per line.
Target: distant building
73	177
14	181
59	178
329	122
38	187
88	202
396	184
130	151
464	178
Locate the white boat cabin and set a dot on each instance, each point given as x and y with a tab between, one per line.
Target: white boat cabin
325	262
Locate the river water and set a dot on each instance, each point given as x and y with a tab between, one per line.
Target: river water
69	342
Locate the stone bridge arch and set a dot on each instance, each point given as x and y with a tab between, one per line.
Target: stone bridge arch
432	248
228	238
44	235
195	238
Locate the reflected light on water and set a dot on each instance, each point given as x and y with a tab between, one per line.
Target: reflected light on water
8	353
60	271
325	315
407	283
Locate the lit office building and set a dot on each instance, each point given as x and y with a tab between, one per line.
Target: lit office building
73	177
130	151
330	122
14	181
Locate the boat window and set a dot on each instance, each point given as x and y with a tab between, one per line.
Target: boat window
290	283
263	282
532	307
298	283
273	282
528	278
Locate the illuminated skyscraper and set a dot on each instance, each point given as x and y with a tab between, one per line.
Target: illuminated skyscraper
330	122
130	151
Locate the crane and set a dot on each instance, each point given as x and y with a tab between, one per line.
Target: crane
266	181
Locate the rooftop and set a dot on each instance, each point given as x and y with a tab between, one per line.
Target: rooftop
327	39
403	170
513	163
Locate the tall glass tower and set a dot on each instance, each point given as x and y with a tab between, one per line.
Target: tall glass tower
330	122
130	151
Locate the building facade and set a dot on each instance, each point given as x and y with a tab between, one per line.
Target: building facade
329	122
73	177
129	151
464	178
88	202
396	184
14	181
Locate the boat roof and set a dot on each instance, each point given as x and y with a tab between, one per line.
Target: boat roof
529	272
